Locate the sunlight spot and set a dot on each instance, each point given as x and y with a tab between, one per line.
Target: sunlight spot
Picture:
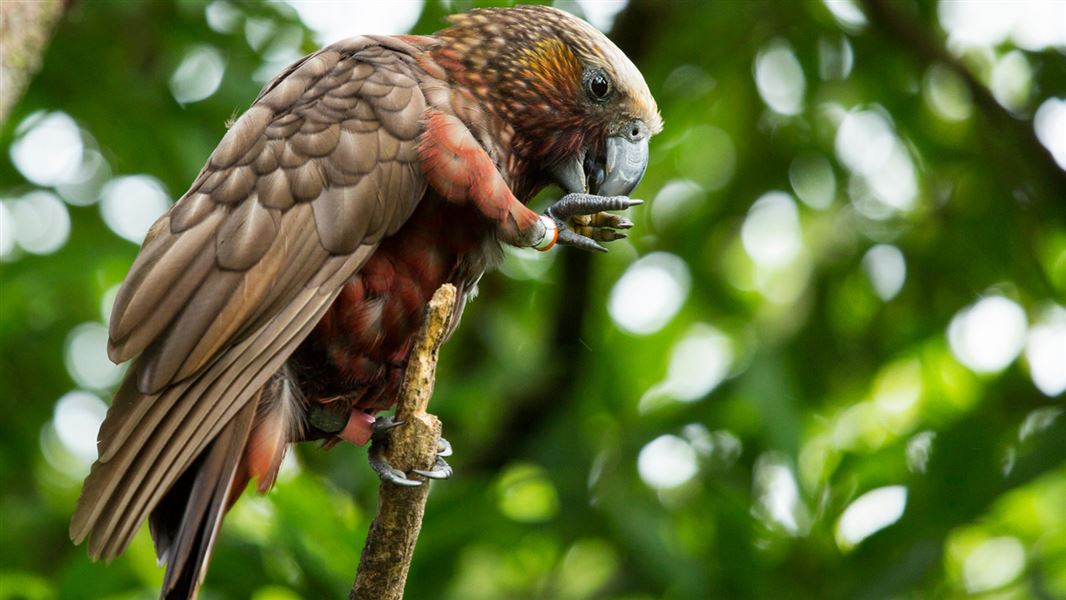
847	14
257	31
130	205
835	59
1039	24
667	462
675	202
41	222
811	176
1038	420
870	513
919	448
525	494
988	335
778	495
47	149
86	357
698	363
995	563
946	93
887	270
83	188
976	23
867	145
78	415
895	183
779	77
771	232
198	75
222	16
1045	352
1012	79
1031	24
1050	125
7	230
601	13
650	293
332	21
864	141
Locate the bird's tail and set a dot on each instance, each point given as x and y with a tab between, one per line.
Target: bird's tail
186	521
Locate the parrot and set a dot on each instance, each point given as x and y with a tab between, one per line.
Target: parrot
277	300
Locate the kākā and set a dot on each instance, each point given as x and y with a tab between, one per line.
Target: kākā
291	277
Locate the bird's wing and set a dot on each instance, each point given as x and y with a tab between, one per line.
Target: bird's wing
290	205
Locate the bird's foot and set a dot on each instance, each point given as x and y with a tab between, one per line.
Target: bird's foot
380	440
583	222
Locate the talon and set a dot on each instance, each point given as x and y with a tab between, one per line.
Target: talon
441	470
444	447
383	424
385	471
569	238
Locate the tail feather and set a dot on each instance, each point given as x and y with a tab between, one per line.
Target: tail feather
185	523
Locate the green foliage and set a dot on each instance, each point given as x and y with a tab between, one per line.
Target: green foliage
608	445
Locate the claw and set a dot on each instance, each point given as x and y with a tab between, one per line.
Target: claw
569	238
383	424
444	447
441	470
387	472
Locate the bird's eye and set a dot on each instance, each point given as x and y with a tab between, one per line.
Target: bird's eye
598	86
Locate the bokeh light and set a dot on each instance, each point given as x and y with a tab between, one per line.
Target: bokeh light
130	205
779	77
870	513
650	293
40	222
887	270
78	415
86	357
988	335
198	75
332	21
47	149
1050	126
777	494
993	564
667	462
1045	351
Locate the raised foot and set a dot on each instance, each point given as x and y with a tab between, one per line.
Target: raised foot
583	221
380	440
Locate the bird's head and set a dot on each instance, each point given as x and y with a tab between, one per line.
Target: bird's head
581	112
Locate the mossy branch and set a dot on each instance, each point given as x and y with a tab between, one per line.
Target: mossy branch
390	544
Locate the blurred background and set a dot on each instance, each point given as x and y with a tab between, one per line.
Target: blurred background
828	363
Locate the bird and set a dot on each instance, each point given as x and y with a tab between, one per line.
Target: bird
276	302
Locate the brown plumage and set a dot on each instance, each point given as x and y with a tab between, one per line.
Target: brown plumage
295	270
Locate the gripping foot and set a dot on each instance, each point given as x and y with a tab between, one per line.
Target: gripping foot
380	440
583	221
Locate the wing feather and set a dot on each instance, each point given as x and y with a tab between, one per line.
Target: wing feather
288	208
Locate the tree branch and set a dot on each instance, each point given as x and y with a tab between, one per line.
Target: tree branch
25	28
390	544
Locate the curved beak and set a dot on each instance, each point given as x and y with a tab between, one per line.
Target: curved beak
614	170
627	159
